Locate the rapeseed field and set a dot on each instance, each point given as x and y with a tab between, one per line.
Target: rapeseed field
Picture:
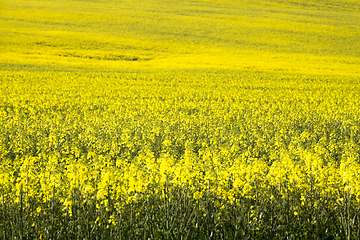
162	119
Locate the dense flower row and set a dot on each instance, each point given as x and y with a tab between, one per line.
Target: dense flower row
113	140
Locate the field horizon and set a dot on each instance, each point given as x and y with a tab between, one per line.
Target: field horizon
277	36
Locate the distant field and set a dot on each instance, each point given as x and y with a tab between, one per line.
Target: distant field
288	36
179	119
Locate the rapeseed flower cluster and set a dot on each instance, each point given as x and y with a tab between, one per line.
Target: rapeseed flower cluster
117	152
